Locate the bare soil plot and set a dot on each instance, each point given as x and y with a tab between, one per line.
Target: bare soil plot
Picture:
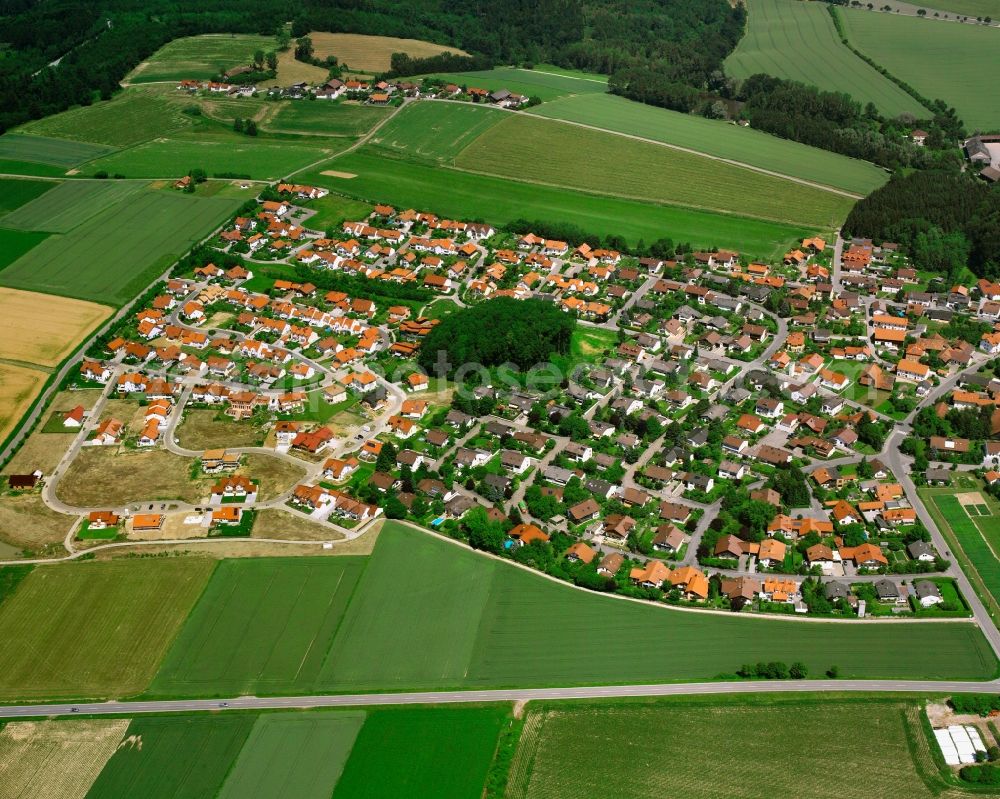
28	523
275	475
173	528
19	386
372	53
55	759
274	523
42	329
203	428
109	476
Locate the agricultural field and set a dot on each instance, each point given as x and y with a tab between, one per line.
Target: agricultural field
69	204
460	194
291	70
15	192
199	57
262	626
174	757
15	243
134	116
971	8
798	41
422	753
19	386
531	83
532	149
54	152
329	119
818	757
121	249
362	53
94	629
436	131
972	541
941	61
293	754
55	759
721	139
44	330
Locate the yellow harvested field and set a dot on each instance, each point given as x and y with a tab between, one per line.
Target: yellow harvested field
18	388
372	53
292	71
43	329
55	759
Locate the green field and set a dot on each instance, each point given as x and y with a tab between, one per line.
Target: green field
946	61
436	131
971	8
263	159
13	167
422	753
532	149
262	626
95	629
643	749
972	542
796	40
173	757
721	139
70	204
135	115
462	195
331	119
16	147
544	85
14	192
121	249
15	243
199	57
292	754
333	209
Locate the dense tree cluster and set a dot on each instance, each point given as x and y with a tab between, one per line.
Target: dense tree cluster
497	332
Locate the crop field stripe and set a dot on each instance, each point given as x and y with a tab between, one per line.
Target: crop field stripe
14	193
55	152
70	204
16	243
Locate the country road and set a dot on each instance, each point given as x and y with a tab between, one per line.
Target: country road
497	695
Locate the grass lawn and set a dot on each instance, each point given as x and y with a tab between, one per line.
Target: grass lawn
200	57
15	243
533	149
463	195
332	119
263	626
121	249
798	41
546	85
70	204
174	757
204	428
587	345
946	61
422	753
15	192
333	209
660	760
94	629
16	147
718	138
436	131
292	754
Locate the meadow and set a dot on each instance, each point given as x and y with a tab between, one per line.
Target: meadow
174	757
199	57
15	243
15	192
422	753
121	249
537	150
334	209
797	40
815	755
95	629
54	152
372	53
463	195
322	116
951	62
436	131
41	329
544	85
19	386
721	139
69	204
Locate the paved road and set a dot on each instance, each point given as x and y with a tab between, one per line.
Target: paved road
501	695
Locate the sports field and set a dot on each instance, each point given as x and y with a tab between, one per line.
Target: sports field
19	386
94	629
199	57
954	63
69	204
55	759
15	192
331	119
796	40
262	626
753	748
41	329
436	131
454	193
422	753
15	243
531	83
372	53
292	754
121	249
532	149
42	150
718	138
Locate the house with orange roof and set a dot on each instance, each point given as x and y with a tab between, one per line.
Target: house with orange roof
652	575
